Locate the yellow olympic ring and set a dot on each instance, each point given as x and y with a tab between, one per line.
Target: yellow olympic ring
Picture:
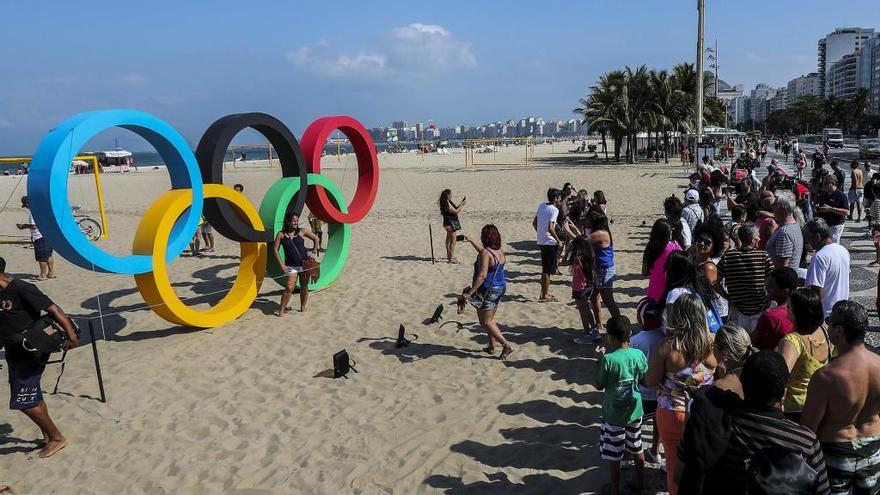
152	238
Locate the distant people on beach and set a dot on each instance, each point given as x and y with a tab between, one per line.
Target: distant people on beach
451	224
42	249
488	287
22	305
297	263
318	229
548	240
208	236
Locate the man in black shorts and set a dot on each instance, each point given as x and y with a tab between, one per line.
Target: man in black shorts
548	239
21	304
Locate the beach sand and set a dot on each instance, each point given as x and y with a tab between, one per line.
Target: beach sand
248	407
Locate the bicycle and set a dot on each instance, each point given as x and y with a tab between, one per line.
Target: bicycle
87	225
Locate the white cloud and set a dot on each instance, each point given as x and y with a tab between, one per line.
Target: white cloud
413	49
321	59
429	46
5	124
133	79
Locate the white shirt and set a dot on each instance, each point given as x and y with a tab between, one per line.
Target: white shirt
686	234
35	232
546	213
829	269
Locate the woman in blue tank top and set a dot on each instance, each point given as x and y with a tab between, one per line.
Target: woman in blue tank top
291	243
488	287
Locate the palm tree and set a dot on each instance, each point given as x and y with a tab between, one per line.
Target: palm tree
663	95
858	107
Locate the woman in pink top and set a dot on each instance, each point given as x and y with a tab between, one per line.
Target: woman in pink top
659	246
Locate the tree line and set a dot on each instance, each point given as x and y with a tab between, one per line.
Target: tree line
810	114
626	102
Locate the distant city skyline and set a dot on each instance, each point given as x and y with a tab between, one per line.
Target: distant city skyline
459	64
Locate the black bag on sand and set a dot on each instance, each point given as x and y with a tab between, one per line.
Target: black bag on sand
779	471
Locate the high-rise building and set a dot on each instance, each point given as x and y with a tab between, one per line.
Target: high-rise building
834	46
875	79
778	101
420	131
843	77
868	72
806	85
761	104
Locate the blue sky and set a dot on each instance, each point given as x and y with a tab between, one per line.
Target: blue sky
190	62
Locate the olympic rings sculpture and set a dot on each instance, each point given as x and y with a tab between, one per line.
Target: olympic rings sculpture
197	190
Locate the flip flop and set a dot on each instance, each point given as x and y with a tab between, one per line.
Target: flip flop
549	299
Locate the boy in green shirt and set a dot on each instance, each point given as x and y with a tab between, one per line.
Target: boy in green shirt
619	373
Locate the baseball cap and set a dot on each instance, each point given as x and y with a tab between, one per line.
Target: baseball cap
692	195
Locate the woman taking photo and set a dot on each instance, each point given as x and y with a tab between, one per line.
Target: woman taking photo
488	287
682	363
297	262
449	211
805	350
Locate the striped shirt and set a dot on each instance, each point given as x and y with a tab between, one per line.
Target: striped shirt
746	432
744	274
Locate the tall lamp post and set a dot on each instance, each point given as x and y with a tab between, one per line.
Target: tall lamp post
701	8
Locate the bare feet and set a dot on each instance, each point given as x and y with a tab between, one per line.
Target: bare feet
506	351
52	446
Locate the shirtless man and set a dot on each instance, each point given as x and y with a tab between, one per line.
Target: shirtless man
856	190
843	405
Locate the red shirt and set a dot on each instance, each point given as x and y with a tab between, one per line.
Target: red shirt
772	326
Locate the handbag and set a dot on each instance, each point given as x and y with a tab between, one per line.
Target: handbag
44	336
312	268
479	296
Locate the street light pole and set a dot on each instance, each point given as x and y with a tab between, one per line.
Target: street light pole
701	6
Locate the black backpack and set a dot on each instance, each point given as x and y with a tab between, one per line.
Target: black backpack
780	471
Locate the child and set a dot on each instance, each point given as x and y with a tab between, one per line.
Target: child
582	265
619	373
646	341
774	323
738	217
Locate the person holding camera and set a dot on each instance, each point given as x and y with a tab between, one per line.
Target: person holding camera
21	306
449	211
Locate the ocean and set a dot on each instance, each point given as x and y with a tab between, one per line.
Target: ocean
152	158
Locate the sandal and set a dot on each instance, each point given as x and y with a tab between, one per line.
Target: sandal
548	299
489	350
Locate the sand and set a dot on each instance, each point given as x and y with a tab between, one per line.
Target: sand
248	407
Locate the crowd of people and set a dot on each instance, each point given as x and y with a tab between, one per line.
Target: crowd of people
752	359
748	358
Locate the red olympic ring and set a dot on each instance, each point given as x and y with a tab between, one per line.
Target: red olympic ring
312	144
